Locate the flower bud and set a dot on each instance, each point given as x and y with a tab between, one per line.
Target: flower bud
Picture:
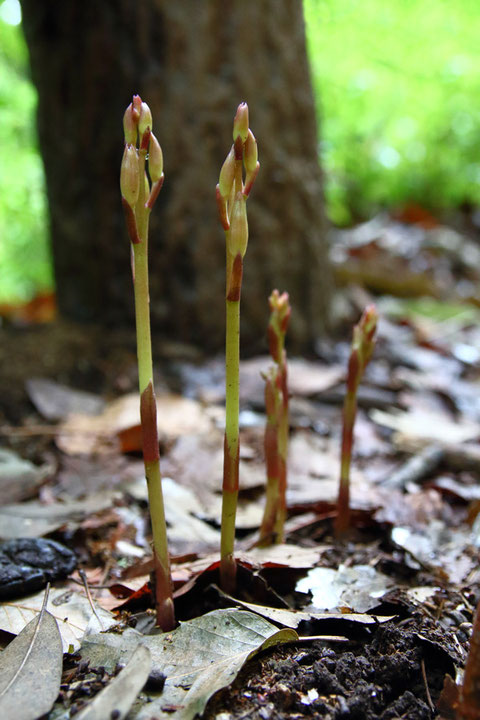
250	153
238	233
130	124
130	175
280	309
227	174
137	106
240	122
155	159
145	120
364	335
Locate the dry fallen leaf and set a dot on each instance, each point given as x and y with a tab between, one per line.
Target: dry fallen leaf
198	658
293	618
55	401
34	519
71	610
82	434
117	698
31	670
426	427
19	479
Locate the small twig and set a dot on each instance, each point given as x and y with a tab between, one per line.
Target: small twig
416	468
427	691
89	596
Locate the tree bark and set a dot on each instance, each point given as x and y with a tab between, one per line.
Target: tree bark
193	62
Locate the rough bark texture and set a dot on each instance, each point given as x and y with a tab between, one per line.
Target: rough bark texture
193	62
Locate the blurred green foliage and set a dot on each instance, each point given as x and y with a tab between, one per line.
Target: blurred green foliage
397	86
398	96
25	265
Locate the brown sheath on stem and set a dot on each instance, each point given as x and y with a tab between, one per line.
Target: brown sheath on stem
148	417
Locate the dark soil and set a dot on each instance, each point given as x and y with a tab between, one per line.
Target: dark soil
393	674
390	670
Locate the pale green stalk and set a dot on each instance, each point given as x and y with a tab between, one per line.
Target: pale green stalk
232	193
139	236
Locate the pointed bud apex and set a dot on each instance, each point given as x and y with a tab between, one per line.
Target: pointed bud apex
240	122
250	153
227	174
237	239
130	175
155	159
363	342
145	120
137	106
130	124
280	311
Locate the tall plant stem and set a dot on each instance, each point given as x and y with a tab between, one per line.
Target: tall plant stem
343	507
232	196
163	589
228	566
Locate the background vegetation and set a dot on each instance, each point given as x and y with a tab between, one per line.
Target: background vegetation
398	97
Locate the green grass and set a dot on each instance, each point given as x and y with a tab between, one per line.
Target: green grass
398	90
25	265
398	95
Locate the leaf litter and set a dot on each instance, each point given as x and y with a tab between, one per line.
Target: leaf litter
409	568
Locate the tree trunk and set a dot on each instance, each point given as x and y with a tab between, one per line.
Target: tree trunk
193	62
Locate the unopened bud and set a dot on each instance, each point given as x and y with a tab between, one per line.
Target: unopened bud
364	335
227	174
238	234
130	175
130	125
368	321
137	106
280	309
240	122
155	159
145	120
250	153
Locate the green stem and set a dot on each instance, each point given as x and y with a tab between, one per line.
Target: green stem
163	586
232	445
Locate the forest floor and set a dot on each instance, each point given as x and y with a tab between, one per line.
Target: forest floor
381	616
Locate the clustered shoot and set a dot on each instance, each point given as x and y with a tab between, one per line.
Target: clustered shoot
232	193
138	197
276	430
363	344
139	192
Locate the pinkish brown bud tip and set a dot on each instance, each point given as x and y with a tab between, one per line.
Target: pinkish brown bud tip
240	122
363	341
280	309
155	159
